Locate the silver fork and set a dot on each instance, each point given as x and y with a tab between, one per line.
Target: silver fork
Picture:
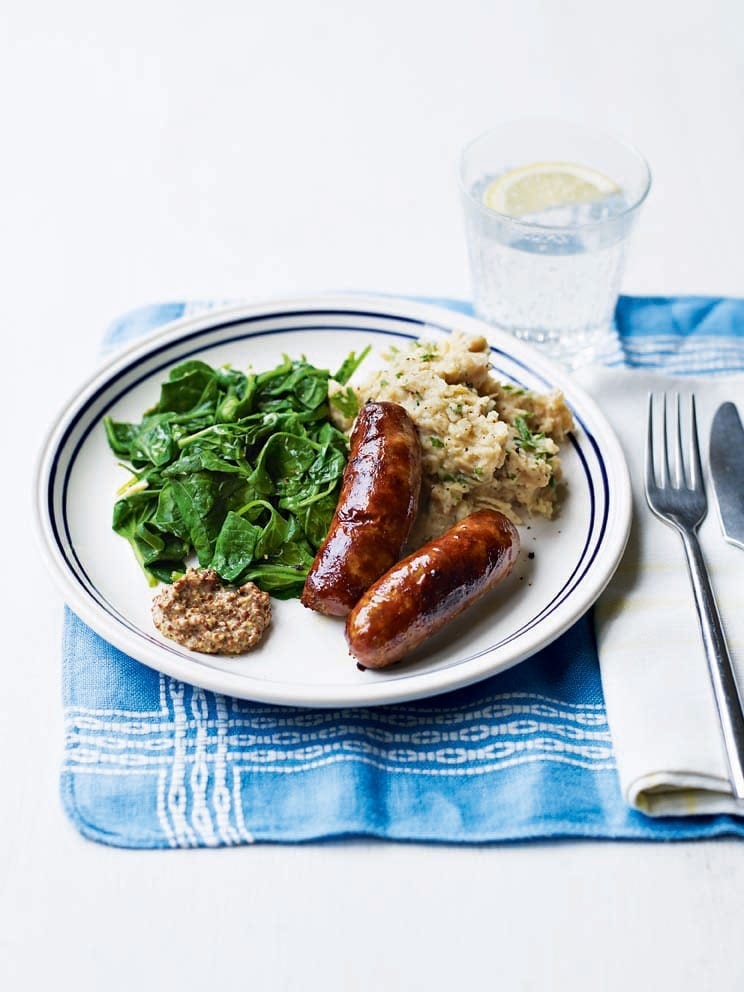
678	498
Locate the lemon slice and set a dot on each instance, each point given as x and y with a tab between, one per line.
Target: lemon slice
534	188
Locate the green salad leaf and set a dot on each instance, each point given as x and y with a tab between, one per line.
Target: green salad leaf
241	470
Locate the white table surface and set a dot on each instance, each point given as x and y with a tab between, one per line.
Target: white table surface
156	151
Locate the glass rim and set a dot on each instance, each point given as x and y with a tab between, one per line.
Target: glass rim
561	228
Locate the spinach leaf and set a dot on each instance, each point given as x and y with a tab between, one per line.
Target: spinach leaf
155	554
238	400
235	547
346	401
287	458
282	581
153	442
276	532
350	364
167	517
315	518
198	501
185	387
327	466
211	457
328	434
119	436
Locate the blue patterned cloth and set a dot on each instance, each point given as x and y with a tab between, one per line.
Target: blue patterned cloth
151	762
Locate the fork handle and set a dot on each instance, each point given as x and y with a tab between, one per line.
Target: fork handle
728	700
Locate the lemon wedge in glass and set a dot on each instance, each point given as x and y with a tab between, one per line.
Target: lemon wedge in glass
534	188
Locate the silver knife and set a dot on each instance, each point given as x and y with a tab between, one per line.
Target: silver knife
726	457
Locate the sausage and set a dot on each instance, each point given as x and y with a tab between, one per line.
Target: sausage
429	588
376	509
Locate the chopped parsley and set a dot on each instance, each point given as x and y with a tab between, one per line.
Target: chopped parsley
527	439
459	479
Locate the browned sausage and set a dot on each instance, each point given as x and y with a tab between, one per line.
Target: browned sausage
375	512
429	588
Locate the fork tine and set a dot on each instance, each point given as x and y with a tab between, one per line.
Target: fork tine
679	461
696	469
665	473
650	474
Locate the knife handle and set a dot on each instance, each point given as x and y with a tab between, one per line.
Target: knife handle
725	690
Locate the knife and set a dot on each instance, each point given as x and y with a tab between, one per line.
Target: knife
726	457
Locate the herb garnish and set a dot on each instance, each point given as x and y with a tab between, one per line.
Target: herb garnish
527	439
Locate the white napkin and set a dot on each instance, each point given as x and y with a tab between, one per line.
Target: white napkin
660	703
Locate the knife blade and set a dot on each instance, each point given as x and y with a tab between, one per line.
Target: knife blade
726	459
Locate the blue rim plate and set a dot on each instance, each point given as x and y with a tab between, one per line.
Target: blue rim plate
303	659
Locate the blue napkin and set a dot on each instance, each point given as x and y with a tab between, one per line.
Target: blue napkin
153	763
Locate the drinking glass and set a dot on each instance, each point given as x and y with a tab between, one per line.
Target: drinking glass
551	276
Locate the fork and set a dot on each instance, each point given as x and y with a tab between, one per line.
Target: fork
678	498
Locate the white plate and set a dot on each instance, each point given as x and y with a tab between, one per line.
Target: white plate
303	659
